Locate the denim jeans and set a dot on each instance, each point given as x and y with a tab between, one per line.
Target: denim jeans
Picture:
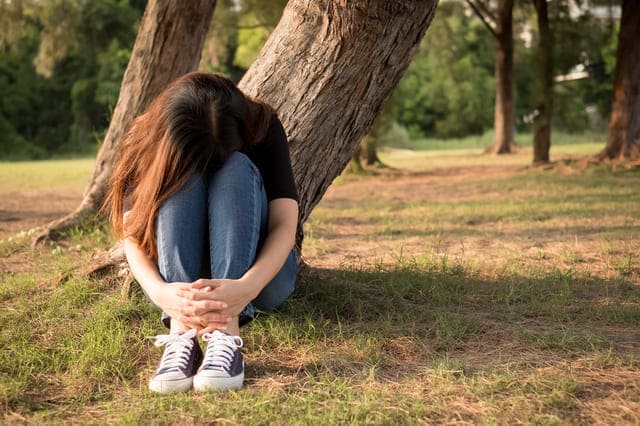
214	226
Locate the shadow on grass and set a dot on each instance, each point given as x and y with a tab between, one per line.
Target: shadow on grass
399	320
79	343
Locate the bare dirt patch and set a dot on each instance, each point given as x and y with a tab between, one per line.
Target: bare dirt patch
21	211
340	234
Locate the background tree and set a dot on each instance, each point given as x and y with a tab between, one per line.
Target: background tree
377	136
624	124
500	24
544	88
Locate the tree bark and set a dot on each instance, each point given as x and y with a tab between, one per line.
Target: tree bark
503	117
327	69
623	141
544	92
168	45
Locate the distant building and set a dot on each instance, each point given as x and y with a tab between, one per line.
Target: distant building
606	12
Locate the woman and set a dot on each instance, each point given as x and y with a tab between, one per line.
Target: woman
204	197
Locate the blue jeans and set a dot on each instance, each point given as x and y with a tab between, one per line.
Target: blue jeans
214	226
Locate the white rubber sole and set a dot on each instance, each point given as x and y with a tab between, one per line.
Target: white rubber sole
203	383
171	386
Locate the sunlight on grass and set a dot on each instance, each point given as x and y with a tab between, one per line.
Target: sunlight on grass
492	293
38	175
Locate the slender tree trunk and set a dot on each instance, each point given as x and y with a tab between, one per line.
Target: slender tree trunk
327	68
503	118
168	45
624	124
371	151
355	165
544	92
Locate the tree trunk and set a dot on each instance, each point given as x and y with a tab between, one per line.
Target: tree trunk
503	118
371	150
355	165
327	69
624	124
168	45
544	92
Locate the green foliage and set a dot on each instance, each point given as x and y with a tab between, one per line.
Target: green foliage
238	31
60	73
582	43
62	61
448	89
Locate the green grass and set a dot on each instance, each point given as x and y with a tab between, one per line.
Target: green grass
40	175
480	142
534	320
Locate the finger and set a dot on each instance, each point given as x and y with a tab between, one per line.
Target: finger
184	286
208	305
190	322
188	310
214	305
210	329
194	309
214	317
186	294
202	296
202	283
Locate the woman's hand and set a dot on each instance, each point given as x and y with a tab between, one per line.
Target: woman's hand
205	315
234	294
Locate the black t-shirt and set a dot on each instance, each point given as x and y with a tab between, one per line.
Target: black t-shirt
271	157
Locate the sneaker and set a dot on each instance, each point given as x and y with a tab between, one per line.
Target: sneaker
223	366
180	361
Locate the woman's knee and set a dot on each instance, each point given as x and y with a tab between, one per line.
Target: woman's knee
180	226
237	166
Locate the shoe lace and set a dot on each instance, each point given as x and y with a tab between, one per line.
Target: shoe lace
178	349
220	350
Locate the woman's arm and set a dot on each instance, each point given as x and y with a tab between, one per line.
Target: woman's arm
281	236
145	272
167	296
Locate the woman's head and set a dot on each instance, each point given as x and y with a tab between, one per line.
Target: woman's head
191	127
204	115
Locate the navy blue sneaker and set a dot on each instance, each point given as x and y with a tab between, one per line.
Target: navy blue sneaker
179	363
223	365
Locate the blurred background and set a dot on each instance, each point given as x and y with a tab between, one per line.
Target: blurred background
62	61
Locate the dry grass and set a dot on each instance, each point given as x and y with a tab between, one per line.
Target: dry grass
452	289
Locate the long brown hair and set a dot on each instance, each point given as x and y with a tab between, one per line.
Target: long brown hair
191	127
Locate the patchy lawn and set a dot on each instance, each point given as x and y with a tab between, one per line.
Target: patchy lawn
454	288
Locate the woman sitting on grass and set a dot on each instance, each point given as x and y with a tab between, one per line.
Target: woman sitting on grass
204	197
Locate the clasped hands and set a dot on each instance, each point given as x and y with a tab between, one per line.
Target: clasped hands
206	304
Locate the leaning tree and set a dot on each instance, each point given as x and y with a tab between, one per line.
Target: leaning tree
327	68
168	45
623	141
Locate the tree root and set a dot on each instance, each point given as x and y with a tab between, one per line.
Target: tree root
109	262
56	229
